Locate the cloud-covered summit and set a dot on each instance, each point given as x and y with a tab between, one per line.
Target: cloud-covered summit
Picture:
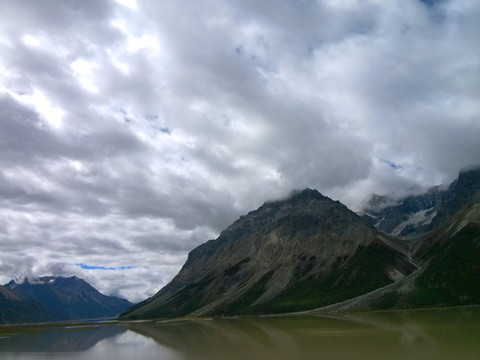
130	132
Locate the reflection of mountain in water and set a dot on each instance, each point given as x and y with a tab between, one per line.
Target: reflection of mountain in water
59	339
433	335
280	338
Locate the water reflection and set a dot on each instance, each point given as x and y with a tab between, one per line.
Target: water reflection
285	338
81	342
439	334
54	339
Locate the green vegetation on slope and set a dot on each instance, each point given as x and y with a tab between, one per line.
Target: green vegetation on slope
452	276
24	311
243	304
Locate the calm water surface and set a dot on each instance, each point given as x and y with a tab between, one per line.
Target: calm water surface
420	334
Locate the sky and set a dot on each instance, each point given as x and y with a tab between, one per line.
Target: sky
133	131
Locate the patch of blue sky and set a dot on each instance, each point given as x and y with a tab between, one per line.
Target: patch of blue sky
393	165
431	2
96	267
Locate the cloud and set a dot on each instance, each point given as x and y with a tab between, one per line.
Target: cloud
131	134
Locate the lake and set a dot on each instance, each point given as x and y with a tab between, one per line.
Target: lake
414	334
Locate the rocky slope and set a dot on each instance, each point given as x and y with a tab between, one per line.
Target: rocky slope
296	254
52	298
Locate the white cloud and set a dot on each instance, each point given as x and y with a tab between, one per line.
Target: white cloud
84	71
132	4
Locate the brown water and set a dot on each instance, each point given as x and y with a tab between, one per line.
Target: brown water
420	334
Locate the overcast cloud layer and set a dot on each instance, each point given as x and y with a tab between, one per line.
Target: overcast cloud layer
132	132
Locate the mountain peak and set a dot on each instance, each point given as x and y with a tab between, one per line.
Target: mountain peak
306	210
295	196
306	193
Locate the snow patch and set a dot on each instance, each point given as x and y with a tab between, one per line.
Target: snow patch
420	218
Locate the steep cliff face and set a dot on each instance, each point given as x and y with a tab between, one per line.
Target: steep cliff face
296	254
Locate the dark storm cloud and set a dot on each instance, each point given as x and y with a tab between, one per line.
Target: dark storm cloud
129	134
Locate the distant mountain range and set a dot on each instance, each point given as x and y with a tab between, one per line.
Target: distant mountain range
309	252
57	298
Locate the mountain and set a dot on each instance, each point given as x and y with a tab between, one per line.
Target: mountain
465	190
450	253
448	256
406	218
308	251
413	216
62	299
449	260
296	254
16	308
